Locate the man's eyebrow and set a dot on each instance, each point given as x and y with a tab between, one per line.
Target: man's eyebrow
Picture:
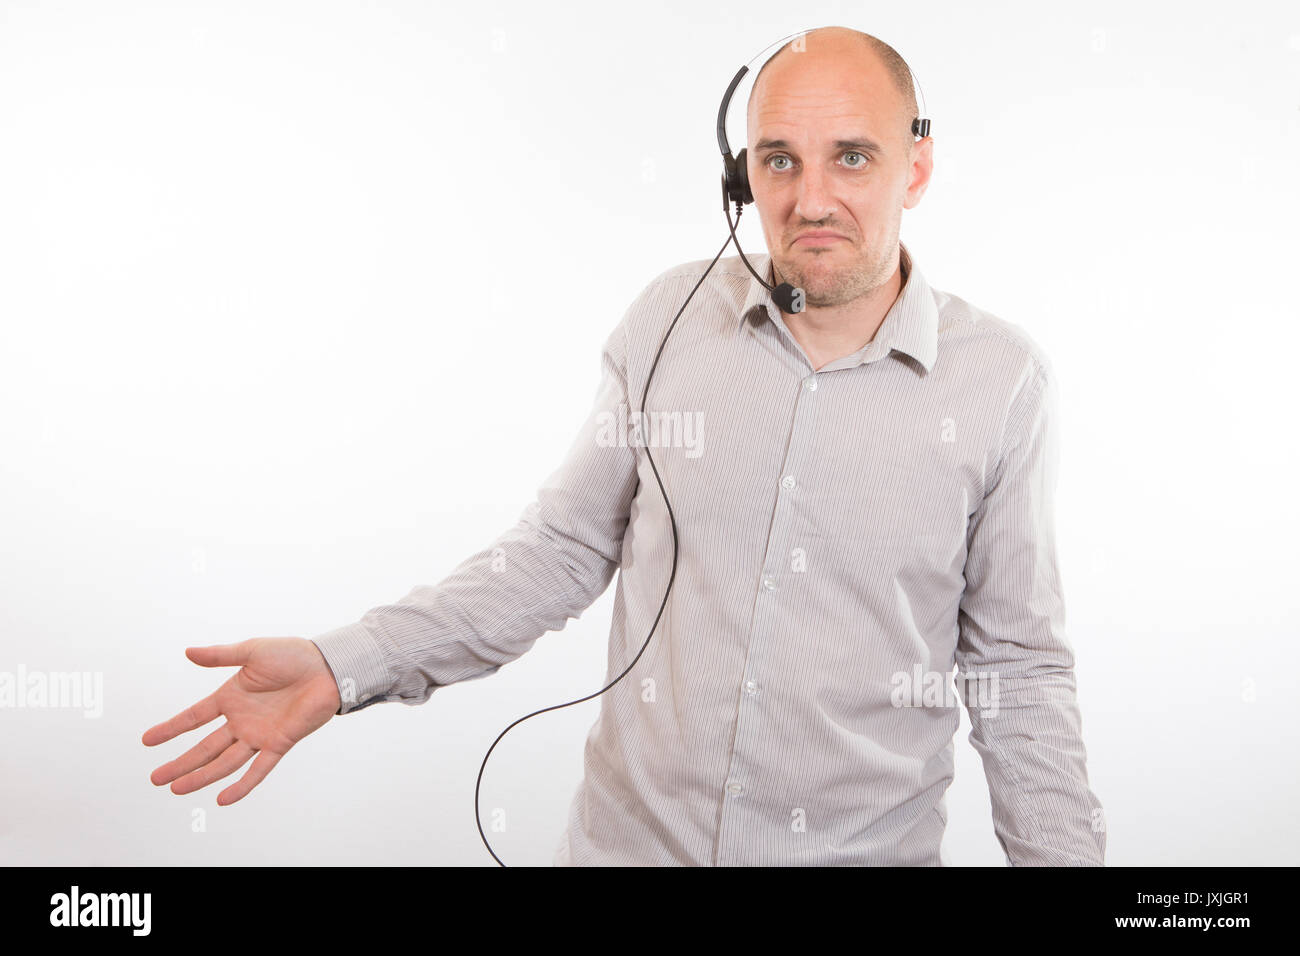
860	142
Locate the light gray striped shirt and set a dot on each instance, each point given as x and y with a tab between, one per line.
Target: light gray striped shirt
848	536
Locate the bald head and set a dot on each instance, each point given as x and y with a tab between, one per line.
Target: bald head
873	59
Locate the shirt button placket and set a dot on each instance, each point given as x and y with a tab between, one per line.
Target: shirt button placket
731	831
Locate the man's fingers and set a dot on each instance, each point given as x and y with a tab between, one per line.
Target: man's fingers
216	655
234	757
220	655
206	750
255	775
193	716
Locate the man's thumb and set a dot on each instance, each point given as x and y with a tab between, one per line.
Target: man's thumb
221	655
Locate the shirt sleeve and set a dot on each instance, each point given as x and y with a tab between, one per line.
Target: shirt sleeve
492	608
1014	663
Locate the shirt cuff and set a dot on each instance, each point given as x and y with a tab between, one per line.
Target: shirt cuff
357	665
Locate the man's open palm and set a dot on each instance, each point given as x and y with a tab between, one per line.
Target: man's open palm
282	691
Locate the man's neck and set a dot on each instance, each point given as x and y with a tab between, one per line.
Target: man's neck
831	332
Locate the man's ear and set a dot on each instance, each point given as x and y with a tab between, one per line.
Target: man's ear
920	168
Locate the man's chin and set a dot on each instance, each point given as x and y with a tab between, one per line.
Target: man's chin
818	281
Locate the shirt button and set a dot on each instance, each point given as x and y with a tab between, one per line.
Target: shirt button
751	687
810	383
735	789
769	582
787	481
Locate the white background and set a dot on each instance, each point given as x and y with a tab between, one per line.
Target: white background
265	267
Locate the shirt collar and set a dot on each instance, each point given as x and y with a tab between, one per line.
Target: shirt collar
911	325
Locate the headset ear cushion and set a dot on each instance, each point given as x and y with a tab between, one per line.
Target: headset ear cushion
742	177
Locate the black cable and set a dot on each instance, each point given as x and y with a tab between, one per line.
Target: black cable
672	520
739	208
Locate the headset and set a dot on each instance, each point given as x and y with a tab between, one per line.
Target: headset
788	298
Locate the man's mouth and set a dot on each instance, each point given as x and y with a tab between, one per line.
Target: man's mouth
818	238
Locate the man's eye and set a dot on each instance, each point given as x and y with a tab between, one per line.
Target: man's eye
859	163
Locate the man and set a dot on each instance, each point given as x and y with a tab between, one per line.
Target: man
865	504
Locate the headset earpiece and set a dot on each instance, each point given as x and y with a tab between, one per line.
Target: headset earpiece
742	173
735	180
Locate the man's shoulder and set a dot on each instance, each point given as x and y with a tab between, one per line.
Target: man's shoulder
719	296
727	267
967	327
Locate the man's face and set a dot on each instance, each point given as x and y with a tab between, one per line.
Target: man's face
832	152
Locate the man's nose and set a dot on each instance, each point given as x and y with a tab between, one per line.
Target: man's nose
814	202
